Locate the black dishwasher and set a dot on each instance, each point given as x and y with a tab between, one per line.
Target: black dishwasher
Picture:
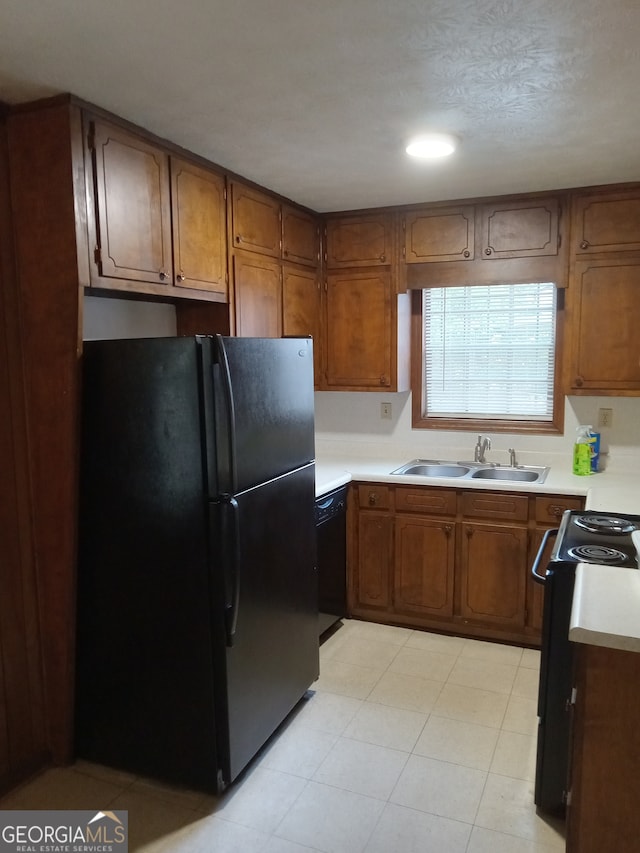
331	527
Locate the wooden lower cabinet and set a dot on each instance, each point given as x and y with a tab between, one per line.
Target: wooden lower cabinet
450	560
373	571
424	565
603	814
493	571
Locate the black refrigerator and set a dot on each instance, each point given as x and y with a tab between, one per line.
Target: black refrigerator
197	582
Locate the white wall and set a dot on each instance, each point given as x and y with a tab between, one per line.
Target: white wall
126	318
350	423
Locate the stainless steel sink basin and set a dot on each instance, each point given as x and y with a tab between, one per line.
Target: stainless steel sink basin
433	469
529	476
473	471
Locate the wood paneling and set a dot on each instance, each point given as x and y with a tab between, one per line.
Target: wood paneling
23	740
48	202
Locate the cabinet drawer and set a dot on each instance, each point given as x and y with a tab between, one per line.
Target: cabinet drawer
430	501
495	505
549	509
375	496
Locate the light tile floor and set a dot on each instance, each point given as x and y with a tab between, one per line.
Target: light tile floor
411	743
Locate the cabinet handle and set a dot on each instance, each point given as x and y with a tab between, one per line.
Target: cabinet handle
162	275
487	251
383	380
469	531
238	238
286	253
555	510
579	381
383	259
584	244
466	253
180	277
447	529
373	498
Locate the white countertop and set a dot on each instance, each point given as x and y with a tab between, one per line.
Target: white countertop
606	605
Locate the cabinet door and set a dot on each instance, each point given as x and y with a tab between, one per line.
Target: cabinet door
256	221
606	223
605	301
520	230
492	576
424	566
301	310
439	234
199	227
258	297
358	330
359	241
300	237
133	206
372	581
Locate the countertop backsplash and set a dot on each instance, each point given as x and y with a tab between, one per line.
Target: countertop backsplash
350	424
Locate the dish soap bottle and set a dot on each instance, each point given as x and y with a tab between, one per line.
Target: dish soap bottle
582	451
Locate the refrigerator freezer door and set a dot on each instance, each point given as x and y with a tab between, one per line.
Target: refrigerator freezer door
272	583
264	409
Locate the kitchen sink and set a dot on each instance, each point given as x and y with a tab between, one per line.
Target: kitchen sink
433	469
473	471
528	476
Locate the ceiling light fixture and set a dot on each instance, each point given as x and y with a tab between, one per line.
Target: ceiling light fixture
431	146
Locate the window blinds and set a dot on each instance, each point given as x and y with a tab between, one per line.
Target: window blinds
489	352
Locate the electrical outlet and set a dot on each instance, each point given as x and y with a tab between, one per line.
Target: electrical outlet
605	417
385	411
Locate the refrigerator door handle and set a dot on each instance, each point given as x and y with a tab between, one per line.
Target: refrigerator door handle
229	407
231	526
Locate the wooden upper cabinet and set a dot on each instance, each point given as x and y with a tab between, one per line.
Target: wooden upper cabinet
199	227
359	241
301	310
514	229
255	219
439	234
300	237
133	217
605	349
524	229
159	222
258	296
606	222
359	317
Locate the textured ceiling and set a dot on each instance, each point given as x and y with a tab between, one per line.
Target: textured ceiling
316	99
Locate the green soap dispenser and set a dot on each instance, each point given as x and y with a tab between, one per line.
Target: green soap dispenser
582	451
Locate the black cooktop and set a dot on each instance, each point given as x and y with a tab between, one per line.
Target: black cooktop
597	537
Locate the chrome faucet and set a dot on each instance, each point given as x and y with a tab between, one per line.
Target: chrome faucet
512	458
484	444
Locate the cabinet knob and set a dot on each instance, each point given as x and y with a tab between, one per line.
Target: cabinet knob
286	253
555	510
584	244
467	253
447	529
469	531
383	380
579	381
373	499
383	259
162	275
487	251
238	238
180	277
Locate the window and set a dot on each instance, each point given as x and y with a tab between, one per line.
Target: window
489	358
